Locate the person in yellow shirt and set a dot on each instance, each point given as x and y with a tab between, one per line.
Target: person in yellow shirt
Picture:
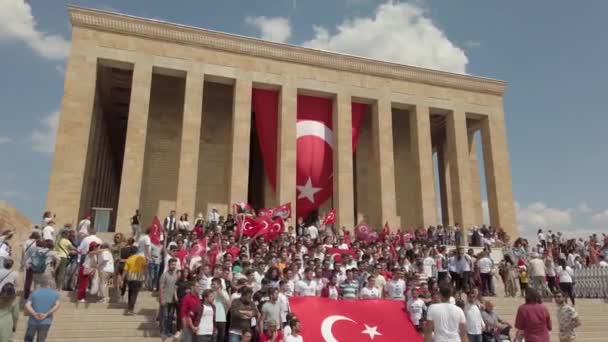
64	249
523	279
135	274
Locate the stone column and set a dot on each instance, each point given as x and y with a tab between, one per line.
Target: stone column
424	172
475	181
498	173
444	183
241	127
72	142
135	145
189	151
382	135
343	161
458	156
286	146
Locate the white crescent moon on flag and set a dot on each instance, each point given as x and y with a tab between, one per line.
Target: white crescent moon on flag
317	129
245	225
328	324
334	255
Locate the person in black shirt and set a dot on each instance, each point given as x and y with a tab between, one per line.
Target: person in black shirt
135	227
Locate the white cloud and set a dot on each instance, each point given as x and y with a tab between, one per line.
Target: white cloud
600	218
583	208
5	140
18	24
43	138
539	215
397	32
276	29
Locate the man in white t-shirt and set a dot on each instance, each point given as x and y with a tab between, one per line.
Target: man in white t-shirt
395	288
308	287
445	322
428	265
144	245
485	265
370	291
313	232
475	324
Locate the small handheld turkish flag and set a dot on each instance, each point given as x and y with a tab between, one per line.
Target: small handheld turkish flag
276	228
336	253
248	226
385	232
283	211
262	224
329	320
330	218
155	231
265	212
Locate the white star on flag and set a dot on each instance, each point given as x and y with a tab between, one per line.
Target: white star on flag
371	331
308	191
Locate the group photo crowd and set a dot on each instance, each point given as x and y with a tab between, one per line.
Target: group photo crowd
215	281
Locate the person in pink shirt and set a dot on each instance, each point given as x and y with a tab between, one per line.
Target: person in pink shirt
533	321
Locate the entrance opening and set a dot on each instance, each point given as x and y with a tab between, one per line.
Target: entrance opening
259	187
441	160
103	168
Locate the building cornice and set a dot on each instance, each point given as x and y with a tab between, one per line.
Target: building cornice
169	32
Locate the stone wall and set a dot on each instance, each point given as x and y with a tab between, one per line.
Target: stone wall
214	158
163	144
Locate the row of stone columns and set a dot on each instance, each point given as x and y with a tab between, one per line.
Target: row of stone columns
454	156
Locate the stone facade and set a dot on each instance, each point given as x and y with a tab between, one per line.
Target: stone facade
188	127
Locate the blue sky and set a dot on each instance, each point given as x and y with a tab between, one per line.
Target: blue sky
552	56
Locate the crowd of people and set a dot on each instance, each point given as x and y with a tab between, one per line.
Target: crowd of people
214	284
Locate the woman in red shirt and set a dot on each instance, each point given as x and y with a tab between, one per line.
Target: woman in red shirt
533	321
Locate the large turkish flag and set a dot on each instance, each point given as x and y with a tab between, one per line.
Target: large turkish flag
330	320
314	146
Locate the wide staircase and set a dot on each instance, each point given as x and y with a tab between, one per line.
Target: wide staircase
96	322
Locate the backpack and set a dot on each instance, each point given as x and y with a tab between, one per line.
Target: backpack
39	262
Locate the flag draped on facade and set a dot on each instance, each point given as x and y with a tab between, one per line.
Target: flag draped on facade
314	144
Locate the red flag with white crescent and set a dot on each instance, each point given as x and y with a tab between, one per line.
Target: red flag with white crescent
276	228
248	226
386	230
262	225
265	212
283	211
314	144
371	320
156	231
337	253
330	218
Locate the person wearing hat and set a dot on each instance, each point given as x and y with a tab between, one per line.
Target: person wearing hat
87	271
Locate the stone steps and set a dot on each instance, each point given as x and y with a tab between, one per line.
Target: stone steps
97	322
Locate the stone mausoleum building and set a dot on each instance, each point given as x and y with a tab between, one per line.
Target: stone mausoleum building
158	116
